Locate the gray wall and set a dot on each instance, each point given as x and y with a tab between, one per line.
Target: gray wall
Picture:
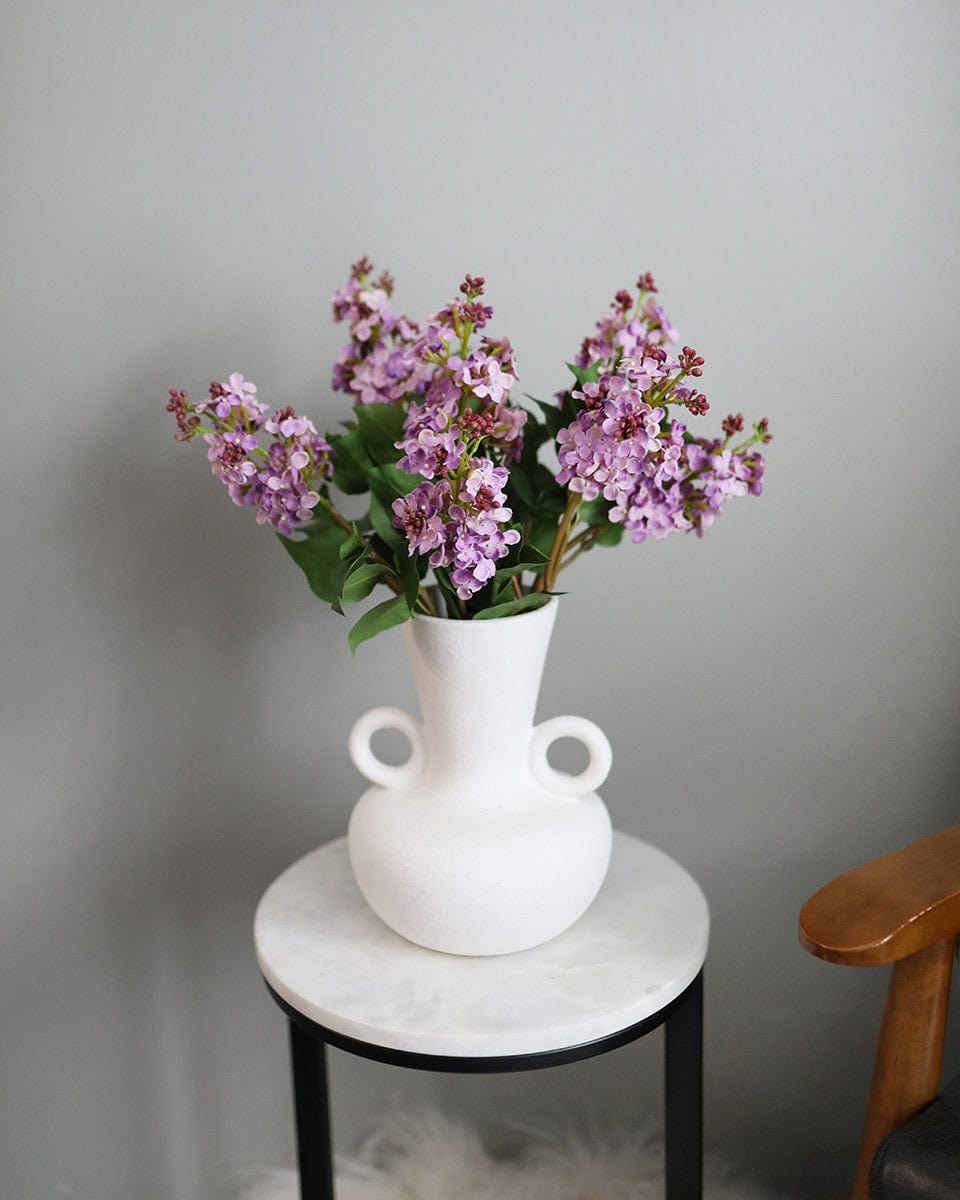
184	185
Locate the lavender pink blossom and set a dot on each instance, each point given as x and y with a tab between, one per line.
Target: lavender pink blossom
461	435
461	530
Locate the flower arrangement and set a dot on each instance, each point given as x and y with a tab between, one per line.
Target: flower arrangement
452	466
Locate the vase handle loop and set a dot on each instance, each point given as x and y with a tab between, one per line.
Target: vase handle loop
558	782
367	762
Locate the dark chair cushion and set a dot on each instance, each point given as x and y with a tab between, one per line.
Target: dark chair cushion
921	1160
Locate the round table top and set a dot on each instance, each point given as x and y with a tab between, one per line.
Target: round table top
636	949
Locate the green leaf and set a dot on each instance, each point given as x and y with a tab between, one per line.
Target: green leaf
390	483
381	425
594	512
381	517
612	536
449	592
361	581
351	463
545	406
520	488
535	432
530	601
413	567
522	557
384	616
353	545
541	535
556	417
585	374
318	556
553	419
537	568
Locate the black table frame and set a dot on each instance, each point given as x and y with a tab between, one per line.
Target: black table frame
683	1085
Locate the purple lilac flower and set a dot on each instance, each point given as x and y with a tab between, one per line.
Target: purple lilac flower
236	395
284	501
431	453
475	556
655	503
604	449
483	497
502	351
500	424
228	456
478	540
285	423
431	442
652	511
278	480
419	515
379	364
239	390
365	310
383	376
461	532
621	332
434	433
689	489
650	368
661	328
717	474
486	378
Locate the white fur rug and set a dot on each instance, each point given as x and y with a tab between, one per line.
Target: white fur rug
428	1156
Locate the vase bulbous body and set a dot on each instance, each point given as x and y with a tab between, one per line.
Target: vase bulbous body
476	845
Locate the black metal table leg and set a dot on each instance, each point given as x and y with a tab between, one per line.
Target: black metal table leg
308	1055
684	1095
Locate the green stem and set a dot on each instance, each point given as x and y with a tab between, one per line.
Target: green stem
548	578
751	441
583	542
584	535
659	396
342	523
425	604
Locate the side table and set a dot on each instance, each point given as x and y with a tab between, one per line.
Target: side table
633	962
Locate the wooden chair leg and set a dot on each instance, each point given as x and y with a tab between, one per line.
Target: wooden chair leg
906	1074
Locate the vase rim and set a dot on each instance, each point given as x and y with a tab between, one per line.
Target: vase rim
428	618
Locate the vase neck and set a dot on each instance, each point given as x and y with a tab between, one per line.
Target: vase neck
478	682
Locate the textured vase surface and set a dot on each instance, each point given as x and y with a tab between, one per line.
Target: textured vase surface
476	844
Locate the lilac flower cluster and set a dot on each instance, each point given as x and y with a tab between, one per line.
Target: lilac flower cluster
379	365
458	522
658	478
278	480
437	428
459	407
707	474
628	330
447	420
616	448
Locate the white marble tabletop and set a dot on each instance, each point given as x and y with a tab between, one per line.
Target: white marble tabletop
637	947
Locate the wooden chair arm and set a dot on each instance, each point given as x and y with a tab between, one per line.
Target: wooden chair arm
890	908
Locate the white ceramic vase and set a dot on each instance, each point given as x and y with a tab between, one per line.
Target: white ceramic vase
476	845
